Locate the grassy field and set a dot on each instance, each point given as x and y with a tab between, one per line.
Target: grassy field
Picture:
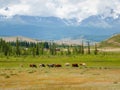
101	73
110	60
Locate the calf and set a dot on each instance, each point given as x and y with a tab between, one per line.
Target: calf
75	65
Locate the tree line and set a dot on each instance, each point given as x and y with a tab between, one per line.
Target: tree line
23	48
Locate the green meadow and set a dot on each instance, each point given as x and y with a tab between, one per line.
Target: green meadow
108	60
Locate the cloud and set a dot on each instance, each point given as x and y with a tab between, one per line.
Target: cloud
64	9
109	8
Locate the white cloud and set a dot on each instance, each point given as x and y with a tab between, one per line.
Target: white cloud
14	10
67	9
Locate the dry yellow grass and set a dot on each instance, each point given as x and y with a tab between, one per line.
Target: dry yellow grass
60	79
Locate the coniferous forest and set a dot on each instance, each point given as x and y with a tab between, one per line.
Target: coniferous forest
24	48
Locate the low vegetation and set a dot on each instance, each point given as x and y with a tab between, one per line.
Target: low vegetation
60	79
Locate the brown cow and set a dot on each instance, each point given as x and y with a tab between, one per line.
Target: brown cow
33	65
75	65
58	65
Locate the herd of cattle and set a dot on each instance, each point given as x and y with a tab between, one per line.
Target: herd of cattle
57	65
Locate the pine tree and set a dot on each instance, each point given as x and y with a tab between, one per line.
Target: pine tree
1	45
79	49
88	47
46	45
10	48
17	47
68	51
37	49
52	50
33	51
6	49
82	48
42	49
95	51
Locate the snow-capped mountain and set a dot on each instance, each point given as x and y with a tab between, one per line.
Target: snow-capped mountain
94	28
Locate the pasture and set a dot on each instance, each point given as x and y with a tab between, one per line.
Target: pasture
101	73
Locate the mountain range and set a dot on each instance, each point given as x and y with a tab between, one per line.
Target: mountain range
94	28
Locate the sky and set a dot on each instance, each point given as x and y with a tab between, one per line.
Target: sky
64	9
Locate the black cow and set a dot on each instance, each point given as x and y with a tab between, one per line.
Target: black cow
75	65
51	65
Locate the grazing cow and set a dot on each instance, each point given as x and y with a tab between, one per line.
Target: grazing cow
50	65
75	65
41	65
67	64
82	64
33	65
58	65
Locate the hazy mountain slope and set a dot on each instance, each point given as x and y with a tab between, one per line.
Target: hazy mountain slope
20	38
114	41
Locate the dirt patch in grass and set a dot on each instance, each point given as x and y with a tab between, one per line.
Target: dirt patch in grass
60	79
